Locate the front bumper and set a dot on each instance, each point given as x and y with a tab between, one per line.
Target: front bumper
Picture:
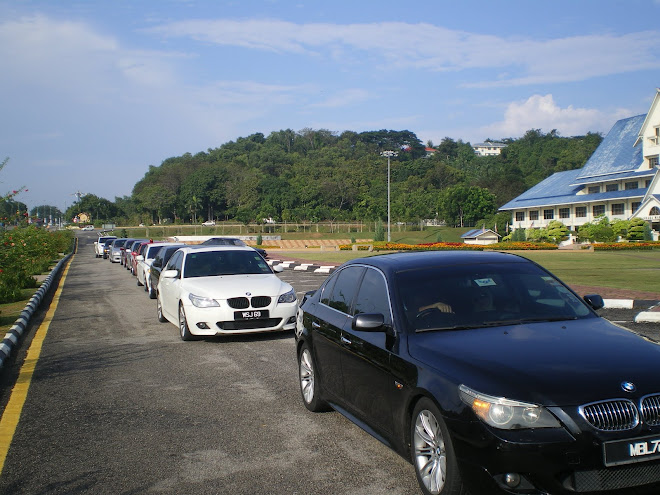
549	461
221	321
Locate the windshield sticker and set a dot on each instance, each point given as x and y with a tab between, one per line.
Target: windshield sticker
551	281
485	282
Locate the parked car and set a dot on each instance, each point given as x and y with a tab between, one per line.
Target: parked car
131	252
144	260
106	248
157	266
116	250
208	223
485	371
232	241
215	290
99	245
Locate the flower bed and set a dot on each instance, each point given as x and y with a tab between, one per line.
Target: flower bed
626	246
446	246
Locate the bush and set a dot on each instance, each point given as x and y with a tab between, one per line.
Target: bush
25	252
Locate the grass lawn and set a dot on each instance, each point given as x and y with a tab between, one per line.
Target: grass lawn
633	270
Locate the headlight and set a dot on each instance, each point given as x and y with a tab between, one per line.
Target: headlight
507	414
289	297
203	302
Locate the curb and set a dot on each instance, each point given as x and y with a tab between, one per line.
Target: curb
306	267
13	336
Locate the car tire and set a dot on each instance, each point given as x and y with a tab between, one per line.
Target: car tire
184	331
152	292
432	452
310	389
139	284
159	311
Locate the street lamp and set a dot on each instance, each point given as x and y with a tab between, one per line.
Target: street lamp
389	155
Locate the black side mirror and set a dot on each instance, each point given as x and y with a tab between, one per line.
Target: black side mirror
369	322
595	301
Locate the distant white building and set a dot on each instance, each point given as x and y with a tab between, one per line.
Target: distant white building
621	180
481	236
488	149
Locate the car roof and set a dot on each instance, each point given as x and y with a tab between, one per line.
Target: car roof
206	248
413	260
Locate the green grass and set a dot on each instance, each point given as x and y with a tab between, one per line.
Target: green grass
631	270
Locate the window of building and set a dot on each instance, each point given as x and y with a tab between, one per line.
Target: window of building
581	211
598	210
635	205
611	187
520	216
548	214
632	185
653	161
564	213
594	189
655	211
647	183
534	215
617	209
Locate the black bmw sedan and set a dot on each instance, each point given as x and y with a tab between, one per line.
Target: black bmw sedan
486	372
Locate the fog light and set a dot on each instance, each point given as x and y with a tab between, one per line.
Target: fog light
291	320
202	325
512	480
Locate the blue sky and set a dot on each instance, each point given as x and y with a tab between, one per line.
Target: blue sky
94	92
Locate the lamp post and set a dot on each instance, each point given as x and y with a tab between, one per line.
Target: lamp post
389	155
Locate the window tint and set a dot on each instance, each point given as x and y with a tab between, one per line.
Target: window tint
345	288
152	251
175	262
373	297
327	290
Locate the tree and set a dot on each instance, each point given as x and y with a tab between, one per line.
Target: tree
557	231
460	205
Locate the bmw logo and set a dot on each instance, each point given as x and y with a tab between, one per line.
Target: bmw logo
628	386
248	294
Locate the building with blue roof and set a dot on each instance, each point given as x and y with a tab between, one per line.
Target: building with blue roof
621	180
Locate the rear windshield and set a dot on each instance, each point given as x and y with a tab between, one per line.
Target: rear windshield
474	296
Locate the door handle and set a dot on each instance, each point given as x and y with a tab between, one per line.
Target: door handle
316	324
344	340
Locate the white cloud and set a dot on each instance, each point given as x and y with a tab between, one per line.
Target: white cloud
520	61
541	112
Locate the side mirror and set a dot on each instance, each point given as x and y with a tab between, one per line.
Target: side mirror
278	268
595	301
170	274
369	322
139	257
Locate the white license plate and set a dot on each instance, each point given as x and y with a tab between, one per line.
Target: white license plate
250	315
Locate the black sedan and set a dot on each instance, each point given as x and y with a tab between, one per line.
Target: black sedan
486	372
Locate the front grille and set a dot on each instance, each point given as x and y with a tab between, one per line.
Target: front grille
651	410
611	415
238	302
614	478
244	302
249	324
260	301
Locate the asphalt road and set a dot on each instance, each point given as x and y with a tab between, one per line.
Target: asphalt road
119	404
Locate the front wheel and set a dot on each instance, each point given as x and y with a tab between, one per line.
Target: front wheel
432	452
159	311
184	331
309	382
152	292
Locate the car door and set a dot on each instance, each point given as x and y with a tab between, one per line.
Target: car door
369	385
170	287
330	317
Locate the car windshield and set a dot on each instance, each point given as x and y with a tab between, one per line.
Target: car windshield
119	243
484	295
223	241
214	263
152	251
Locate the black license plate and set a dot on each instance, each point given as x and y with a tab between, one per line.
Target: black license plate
630	451
251	315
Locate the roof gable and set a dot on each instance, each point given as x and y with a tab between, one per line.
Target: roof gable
617	152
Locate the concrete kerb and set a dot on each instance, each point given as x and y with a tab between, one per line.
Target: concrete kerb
13	336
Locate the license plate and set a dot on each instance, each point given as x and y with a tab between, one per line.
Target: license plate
250	315
631	451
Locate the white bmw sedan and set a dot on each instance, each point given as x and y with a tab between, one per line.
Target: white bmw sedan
214	290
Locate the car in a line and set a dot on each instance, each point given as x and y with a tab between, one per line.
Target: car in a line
116	249
99	244
131	253
232	241
208	223
144	259
106	248
158	265
88	227
220	290
486	372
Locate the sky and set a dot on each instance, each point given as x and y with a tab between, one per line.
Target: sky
93	93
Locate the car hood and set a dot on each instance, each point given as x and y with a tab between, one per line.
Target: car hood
551	363
226	286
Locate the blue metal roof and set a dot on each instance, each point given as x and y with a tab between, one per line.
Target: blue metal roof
615	176
617	152
476	232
